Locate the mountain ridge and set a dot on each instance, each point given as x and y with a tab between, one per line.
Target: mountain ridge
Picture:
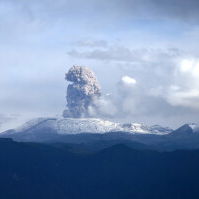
94	130
33	170
89	125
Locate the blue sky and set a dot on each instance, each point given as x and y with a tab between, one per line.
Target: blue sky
148	40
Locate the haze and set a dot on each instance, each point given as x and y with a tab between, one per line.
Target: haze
144	53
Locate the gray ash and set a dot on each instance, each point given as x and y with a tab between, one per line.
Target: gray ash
82	92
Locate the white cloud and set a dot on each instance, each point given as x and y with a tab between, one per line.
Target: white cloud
185	90
128	80
186	65
37	37
189	98
190	66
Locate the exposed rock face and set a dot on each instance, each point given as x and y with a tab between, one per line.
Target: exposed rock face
82	92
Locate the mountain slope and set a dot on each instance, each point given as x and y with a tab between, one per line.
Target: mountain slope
40	127
90	131
41	171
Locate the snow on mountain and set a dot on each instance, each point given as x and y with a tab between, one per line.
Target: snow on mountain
8	121
37	123
187	129
160	130
135	128
141	128
194	127
89	125
71	125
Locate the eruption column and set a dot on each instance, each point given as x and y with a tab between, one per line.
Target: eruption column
82	92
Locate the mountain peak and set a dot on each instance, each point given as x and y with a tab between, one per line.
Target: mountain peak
188	128
67	126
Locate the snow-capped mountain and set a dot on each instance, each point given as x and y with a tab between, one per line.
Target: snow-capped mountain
190	128
144	129
160	130
90	130
88	125
9	121
194	127
71	125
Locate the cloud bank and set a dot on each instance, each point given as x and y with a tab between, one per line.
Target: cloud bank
144	52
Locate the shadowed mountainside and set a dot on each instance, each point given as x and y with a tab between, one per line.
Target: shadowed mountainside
30	170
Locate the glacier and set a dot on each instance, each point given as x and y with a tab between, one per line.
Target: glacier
89	125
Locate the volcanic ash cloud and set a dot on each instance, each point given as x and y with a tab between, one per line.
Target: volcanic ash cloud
82	92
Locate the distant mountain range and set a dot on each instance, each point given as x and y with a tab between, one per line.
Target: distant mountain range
93	158
90	131
33	170
89	125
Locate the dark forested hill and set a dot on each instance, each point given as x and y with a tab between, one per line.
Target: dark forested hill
30	170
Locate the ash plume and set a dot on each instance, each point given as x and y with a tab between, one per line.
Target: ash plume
82	92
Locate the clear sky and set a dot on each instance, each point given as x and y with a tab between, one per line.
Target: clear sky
154	42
